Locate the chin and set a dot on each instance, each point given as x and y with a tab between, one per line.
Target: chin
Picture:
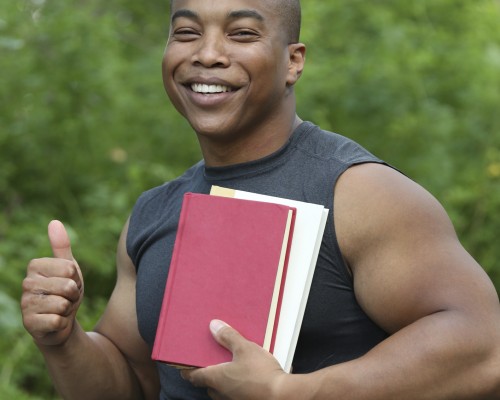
213	129
209	131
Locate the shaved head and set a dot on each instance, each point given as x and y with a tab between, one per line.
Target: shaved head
290	15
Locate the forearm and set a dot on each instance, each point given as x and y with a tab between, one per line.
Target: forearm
89	366
438	357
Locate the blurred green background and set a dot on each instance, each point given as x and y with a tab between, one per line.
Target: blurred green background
85	126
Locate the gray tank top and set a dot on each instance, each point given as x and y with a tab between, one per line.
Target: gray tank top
335	328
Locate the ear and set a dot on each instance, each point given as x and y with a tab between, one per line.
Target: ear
297	58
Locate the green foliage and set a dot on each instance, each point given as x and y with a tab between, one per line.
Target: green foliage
417	83
85	126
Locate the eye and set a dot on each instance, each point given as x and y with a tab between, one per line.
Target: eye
244	35
185	34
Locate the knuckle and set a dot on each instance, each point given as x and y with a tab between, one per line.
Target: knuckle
64	307
52	267
28	284
29	323
228	335
72	272
56	322
32	286
69	286
225	334
33	265
67	269
41	325
70	289
25	302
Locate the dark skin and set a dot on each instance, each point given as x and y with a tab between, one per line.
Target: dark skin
248	54
396	239
443	310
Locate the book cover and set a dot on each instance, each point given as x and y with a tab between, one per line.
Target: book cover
229	263
310	224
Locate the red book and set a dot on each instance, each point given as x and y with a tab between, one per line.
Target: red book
229	263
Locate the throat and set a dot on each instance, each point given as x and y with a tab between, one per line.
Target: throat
221	153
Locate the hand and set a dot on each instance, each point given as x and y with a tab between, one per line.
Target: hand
254	374
52	291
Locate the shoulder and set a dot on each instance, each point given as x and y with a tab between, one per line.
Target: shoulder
158	208
385	194
402	249
376	204
328	145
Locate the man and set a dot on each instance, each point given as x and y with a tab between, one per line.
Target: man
398	309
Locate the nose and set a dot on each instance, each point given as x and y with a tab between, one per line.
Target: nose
211	51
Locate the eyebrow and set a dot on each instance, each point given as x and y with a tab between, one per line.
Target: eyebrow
238	14
185	13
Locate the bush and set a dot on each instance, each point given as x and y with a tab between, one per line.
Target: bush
85	126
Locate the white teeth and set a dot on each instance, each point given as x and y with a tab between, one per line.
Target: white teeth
202	88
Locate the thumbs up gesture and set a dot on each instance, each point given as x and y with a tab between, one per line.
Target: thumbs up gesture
52	291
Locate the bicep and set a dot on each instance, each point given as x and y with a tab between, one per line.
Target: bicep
406	260
119	323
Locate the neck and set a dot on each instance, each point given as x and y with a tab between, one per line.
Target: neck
247	147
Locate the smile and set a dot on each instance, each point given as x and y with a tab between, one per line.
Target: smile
209	89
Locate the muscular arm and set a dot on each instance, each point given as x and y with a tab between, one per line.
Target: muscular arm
415	280
110	363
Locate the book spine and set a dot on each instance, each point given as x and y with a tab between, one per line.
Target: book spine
159	338
283	279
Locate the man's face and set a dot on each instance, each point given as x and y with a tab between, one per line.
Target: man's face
226	65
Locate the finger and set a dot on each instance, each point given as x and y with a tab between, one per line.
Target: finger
48	267
43	324
61	247
59	240
225	335
46	304
187	374
40	270
61	287
200	377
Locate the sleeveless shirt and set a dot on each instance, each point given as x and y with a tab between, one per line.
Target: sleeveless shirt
335	329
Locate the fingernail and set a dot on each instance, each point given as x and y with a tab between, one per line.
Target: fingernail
216	325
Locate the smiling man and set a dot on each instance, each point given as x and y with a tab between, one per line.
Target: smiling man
229	69
397	310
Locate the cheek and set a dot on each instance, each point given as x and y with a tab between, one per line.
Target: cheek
271	68
270	78
170	63
164	72
167	69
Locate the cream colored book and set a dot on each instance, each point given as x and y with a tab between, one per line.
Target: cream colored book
310	221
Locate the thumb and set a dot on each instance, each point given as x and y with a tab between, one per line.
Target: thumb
59	240
225	335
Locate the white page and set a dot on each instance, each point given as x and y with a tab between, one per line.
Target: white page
309	227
